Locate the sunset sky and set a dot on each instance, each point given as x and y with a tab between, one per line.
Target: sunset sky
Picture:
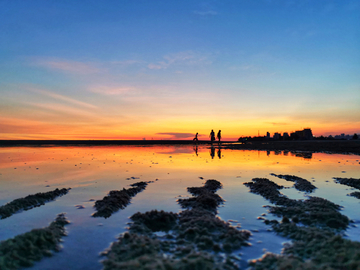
168	69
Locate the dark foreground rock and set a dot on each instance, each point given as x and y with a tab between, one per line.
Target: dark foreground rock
30	202
301	184
315	226
195	238
23	250
117	199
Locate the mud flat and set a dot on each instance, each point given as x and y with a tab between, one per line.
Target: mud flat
314	225
117	199
30	202
23	250
195	238
333	146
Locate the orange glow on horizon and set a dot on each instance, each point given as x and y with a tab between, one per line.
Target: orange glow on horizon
167	129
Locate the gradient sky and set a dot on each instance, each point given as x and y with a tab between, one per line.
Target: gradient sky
168	69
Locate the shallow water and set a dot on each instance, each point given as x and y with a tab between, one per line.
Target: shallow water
91	172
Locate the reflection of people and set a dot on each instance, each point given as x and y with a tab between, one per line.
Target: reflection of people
219	135
219	152
196	137
212	152
196	150
212	136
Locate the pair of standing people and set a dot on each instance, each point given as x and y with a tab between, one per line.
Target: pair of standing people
212	136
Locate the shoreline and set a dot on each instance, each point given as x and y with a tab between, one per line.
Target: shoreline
331	147
328	146
10	143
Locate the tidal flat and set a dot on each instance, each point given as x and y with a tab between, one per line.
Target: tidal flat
264	222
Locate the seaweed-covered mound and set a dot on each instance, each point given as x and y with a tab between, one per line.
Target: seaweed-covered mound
204	197
355	194
316	244
351	182
134	252
318	251
153	221
117	199
24	249
30	202
314	211
266	188
301	184
194	239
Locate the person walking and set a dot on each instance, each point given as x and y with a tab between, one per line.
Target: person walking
212	136
196	137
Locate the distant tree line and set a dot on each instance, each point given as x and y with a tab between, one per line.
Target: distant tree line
293	137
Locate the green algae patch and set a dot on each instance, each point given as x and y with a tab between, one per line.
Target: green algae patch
117	199
195	238
23	250
351	182
301	184
30	202
314	225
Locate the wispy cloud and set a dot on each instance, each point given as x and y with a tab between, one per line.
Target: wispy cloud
61	97
64	110
177	135
187	58
160	65
68	66
127	62
110	91
277	123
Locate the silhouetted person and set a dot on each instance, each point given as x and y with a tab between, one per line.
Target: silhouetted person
212	136
219	136
196	137
212	152
219	152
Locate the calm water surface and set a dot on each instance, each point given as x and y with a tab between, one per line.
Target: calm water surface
91	172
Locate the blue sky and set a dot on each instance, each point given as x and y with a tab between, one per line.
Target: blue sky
133	69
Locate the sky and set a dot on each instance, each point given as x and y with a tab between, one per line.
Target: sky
139	69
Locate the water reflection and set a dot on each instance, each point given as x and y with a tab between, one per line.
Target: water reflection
212	152
305	155
92	172
196	149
